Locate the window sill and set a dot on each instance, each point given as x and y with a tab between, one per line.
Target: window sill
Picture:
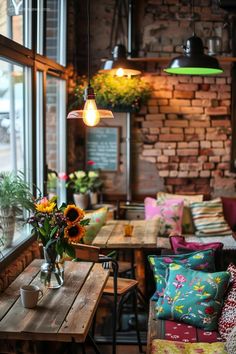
9	254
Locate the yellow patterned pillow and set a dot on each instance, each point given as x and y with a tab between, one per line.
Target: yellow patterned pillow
187	221
162	346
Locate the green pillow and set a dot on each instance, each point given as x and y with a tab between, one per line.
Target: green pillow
201	260
192	296
97	220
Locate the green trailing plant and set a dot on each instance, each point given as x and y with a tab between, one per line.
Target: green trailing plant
15	193
121	93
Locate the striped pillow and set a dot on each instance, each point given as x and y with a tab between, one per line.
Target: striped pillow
208	218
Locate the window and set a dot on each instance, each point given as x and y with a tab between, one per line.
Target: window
32	94
15	20
12	132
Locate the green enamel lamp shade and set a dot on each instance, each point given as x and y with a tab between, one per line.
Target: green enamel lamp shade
194	61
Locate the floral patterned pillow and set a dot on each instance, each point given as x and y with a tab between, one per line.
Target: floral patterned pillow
193	297
97	220
161	346
170	212
200	260
227	320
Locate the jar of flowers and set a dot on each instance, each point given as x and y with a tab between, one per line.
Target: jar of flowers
95	186
79	183
57	228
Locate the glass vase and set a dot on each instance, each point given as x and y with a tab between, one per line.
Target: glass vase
52	270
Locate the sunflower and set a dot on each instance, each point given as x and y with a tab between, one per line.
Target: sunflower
75	232
45	206
73	214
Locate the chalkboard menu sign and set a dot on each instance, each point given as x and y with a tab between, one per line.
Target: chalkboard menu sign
102	147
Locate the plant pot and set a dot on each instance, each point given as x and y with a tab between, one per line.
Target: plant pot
81	200
93	198
7	222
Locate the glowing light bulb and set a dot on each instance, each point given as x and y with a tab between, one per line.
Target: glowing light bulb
91	116
120	72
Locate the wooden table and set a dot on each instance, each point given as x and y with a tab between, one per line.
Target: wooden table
144	236
62	315
112	235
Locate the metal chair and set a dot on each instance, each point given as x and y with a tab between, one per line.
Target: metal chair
116	287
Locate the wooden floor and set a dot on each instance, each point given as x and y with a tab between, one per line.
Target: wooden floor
121	349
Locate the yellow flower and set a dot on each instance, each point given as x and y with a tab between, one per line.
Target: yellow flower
198	287
179	308
73	214
159	309
174	266
217	280
45	206
74	233
198	256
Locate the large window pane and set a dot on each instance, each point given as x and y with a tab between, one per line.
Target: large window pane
15	20
54	42
11	117
56	130
15	128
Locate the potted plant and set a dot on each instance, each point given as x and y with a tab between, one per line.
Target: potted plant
95	185
15	195
79	183
121	94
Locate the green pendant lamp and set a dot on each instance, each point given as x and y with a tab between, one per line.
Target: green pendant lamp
194	61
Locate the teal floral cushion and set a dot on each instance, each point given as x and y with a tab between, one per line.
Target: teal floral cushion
192	296
200	260
97	220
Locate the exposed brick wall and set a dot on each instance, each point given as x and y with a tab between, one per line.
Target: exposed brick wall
181	141
8	274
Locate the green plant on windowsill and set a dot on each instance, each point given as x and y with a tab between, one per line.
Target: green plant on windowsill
121	94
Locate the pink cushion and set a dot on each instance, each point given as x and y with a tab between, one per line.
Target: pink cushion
227	320
229	210
179	245
169	211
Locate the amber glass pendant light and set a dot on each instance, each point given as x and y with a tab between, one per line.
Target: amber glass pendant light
194	61
90	114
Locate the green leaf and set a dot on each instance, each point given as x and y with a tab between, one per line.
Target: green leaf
85	222
42	231
54	231
69	250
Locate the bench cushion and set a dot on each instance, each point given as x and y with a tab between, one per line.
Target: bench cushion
169	347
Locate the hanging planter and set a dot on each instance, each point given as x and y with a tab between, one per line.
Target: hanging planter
120	94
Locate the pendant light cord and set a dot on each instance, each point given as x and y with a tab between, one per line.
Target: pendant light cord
193	17
88	30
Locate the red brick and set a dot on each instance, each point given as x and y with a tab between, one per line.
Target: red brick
200	123
149	159
184	94
162	145
220	123
162	158
214	158
173	173
171	137
190	166
163	102
154	130
164	173
176	130
152	124
226	103
204	87
187	152
180	102
162	94
219	152
223	166
220	88
220	80
169	109
209	80
197	80
153	109
208	166
165	130
169	152
206	152
177	181
206	95
152	102
186	87
205	173
216	111
215	136
205	144
217	144
224	95
192	110
176	123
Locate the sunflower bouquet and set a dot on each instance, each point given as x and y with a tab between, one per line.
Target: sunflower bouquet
57	228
